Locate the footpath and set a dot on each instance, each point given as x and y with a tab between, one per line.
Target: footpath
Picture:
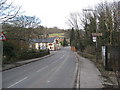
89	75
20	63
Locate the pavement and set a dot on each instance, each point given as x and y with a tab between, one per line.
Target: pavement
90	76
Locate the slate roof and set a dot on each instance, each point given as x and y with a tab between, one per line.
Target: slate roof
48	40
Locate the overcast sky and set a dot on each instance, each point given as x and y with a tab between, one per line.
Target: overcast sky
54	12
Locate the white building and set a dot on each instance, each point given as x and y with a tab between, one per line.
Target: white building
49	43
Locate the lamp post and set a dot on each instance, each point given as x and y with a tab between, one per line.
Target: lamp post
96	31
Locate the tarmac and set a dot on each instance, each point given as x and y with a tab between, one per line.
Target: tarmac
89	75
20	63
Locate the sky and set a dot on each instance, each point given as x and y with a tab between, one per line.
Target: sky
54	13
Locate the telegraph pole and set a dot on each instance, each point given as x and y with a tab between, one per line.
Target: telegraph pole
1	56
96	36
119	23
118	43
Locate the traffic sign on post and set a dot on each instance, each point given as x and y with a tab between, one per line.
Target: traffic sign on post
94	38
2	37
96	34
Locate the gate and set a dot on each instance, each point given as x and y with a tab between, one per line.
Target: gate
113	60
113	57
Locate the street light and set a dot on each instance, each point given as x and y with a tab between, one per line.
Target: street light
96	31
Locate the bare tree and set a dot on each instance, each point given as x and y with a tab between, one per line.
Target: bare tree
26	21
74	20
7	10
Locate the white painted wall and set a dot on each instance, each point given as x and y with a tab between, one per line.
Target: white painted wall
36	46
53	47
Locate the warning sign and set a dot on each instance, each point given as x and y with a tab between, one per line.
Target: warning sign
2	37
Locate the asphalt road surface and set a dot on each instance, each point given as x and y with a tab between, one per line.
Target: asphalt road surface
57	71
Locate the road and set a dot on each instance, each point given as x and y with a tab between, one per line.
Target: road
57	71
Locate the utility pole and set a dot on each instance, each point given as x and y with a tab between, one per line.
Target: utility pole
96	31
1	57
118	43
119	23
96	37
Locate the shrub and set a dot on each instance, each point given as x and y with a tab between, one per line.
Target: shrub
90	50
8	52
32	54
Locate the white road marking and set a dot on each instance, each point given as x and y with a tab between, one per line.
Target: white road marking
58	59
48	81
41	69
55	61
76	57
62	57
17	82
51	63
58	68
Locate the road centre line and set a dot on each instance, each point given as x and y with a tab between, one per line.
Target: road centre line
58	59
62	57
41	69
48	81
49	64
17	82
61	64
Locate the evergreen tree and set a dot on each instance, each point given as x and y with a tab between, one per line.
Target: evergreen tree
72	36
64	42
77	38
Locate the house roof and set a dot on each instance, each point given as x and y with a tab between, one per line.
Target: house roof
47	40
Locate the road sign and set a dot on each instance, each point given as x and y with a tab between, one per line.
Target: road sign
50	44
2	37
94	38
96	34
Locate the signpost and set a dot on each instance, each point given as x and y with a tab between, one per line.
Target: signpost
1	58
96	34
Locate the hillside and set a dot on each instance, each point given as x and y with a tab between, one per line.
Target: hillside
56	35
